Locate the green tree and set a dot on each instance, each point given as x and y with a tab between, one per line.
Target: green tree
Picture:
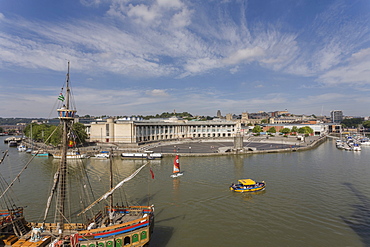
294	129
352	122
51	134
257	129
305	130
80	132
43	133
366	124
285	131
271	130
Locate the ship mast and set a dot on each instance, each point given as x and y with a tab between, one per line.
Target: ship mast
66	117
111	187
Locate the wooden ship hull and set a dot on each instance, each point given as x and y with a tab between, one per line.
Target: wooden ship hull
134	226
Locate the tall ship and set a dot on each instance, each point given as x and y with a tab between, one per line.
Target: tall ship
113	224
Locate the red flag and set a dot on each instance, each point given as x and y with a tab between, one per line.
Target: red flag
151	172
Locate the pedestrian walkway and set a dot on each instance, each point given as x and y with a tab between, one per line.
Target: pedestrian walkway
253	145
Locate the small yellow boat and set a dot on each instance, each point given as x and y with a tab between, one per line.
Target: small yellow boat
248	185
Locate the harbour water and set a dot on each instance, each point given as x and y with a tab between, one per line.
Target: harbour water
319	197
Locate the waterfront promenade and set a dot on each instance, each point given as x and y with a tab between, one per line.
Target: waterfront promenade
225	147
201	147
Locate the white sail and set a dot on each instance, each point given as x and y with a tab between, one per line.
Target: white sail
105	196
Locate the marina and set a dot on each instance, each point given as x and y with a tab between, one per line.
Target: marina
327	206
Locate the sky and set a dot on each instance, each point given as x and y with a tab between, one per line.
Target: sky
148	57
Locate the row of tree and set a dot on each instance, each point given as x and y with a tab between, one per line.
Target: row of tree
51	134
306	130
355	123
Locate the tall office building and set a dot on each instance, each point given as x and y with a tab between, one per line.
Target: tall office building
336	116
219	114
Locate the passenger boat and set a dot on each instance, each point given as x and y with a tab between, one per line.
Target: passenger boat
13	139
356	147
103	155
247	185
112	225
40	153
22	148
12	143
71	155
365	142
176	168
146	155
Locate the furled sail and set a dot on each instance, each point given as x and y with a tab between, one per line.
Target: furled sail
105	196
53	189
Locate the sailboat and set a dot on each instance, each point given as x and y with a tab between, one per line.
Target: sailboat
112	226
176	168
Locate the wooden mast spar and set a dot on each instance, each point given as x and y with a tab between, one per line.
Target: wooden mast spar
66	116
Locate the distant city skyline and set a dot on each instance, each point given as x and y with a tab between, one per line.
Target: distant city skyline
147	57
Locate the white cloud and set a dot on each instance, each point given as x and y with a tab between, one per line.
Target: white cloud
176	4
234	70
157	93
90	2
355	71
178	39
166	30
142	13
242	55
201	65
181	19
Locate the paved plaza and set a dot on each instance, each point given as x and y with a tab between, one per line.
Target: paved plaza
212	146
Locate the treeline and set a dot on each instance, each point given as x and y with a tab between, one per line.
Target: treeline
14	121
184	115
355	123
51	134
306	130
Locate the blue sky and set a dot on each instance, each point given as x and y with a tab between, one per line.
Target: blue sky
148	57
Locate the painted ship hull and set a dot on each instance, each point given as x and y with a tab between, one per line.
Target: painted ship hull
135	232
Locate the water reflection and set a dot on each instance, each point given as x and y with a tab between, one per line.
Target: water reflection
176	184
359	221
246	196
